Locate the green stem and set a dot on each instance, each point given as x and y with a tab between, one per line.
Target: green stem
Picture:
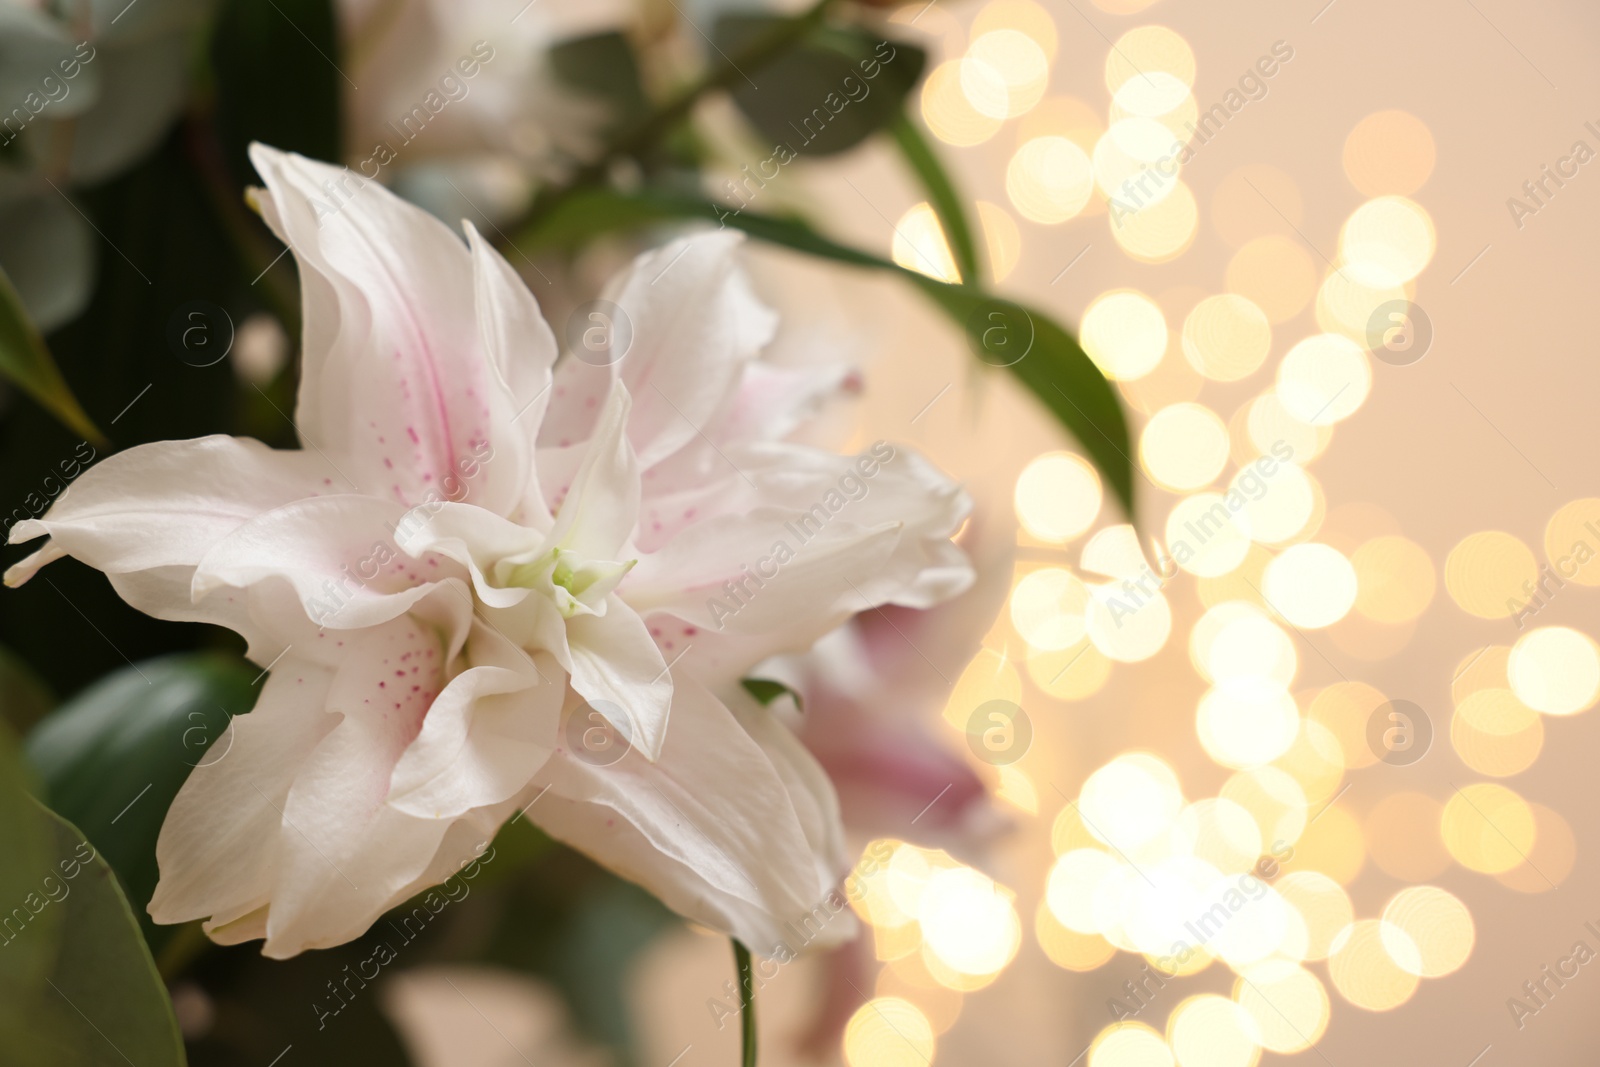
747	1004
941	193
651	128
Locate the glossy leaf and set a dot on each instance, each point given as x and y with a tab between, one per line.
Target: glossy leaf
26	361
603	66
81	987
113	758
835	89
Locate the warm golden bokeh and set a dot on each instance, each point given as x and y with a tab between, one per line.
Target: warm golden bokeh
1389	152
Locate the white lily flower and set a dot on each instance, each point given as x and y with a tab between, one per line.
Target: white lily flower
481	559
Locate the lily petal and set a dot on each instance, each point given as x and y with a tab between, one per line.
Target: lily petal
616	665
344	853
521	351
338	554
598	516
484	737
711	828
393	386
218	849
168	503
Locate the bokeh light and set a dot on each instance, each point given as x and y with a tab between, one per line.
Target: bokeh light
1324	379
1050	179
1556	670
1490	574
1124	333
888	1032
1058	496
1437	929
1184	447
1312	584
1226	337
947	111
920	245
1004	73
1212	1031
1287	1003
1276	274
1389	152
1488	827
1374	965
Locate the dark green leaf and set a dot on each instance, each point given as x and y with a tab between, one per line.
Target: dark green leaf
113	757
1050	362
765	690
603	66
26	361
1041	354
838	87
919	154
80	985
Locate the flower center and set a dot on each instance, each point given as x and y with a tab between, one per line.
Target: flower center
576	586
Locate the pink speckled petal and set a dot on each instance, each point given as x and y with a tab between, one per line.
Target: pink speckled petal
395	386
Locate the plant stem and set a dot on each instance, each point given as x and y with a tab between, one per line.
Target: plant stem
747	1004
656	125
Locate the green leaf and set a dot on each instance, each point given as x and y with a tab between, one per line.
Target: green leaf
1049	361
81	985
26	361
942	194
113	757
833	90
1042	355
603	66
765	690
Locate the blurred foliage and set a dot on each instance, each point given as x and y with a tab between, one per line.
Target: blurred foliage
834	89
81	987
113	758
25	360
